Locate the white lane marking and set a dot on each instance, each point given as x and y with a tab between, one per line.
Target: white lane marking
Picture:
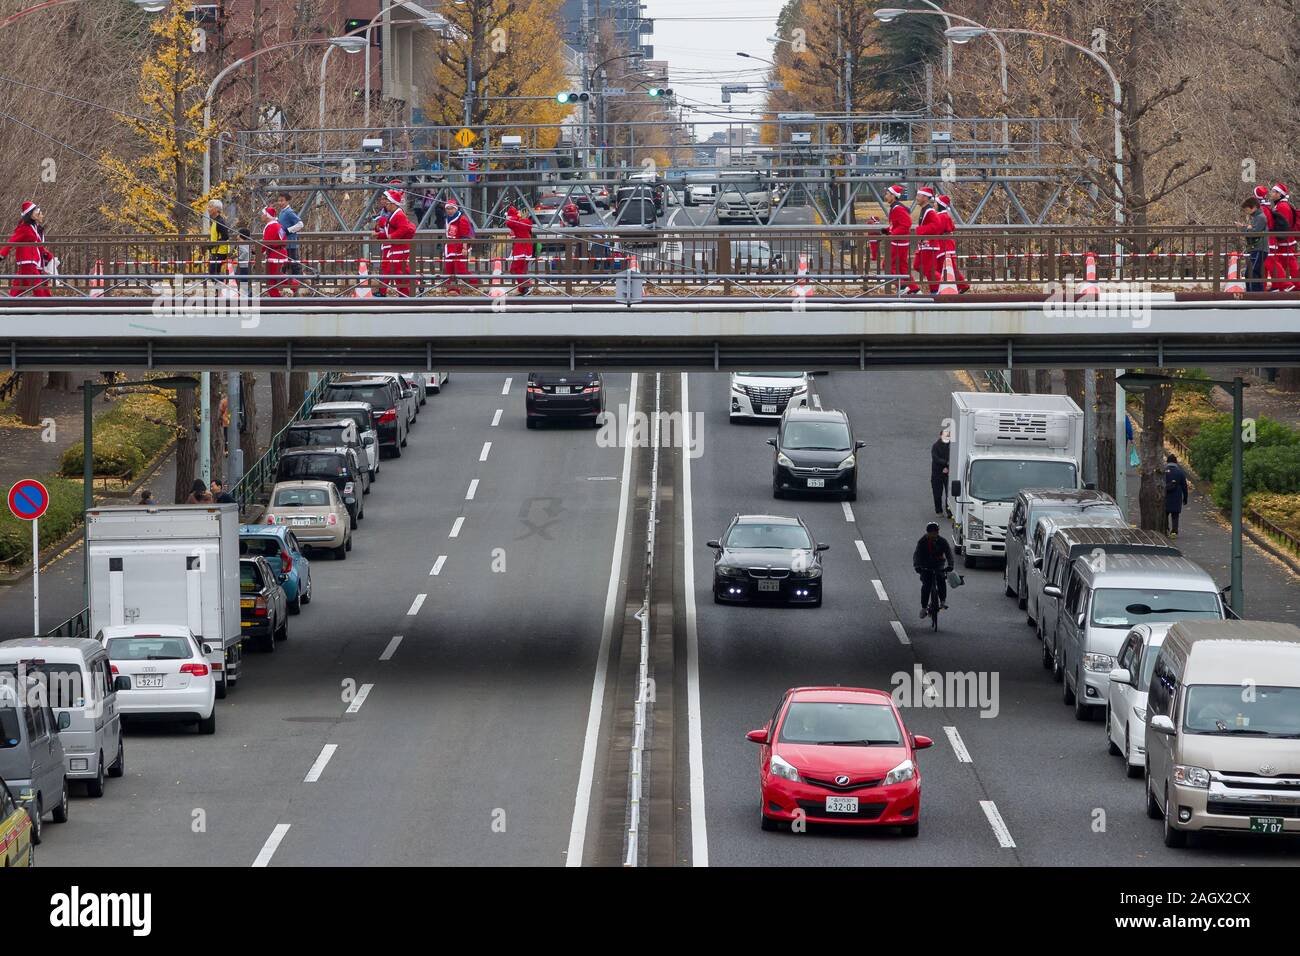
898	630
695	736
360	699
958	745
473	487
673	216
587	769
848	512
318	767
437	565
415	605
271	845
455	527
817	401
862	550
505	389
487	447
603	478
496	417
880	589
997	823
391	649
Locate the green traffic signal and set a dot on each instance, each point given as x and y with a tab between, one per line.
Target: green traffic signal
660	91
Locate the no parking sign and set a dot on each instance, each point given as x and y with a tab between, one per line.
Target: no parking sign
28	500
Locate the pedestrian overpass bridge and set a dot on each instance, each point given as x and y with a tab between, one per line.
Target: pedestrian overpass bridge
985	330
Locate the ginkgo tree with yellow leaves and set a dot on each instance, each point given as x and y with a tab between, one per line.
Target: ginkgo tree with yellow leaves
158	190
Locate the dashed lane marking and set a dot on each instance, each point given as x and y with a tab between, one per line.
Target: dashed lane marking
473	487
487	447
415	605
496	417
391	649
271	845
505	389
998	824
862	550
318	767
455	527
437	565
899	632
880	589
848	512
958	745
360	699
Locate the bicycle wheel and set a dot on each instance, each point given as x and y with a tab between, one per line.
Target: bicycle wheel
934	617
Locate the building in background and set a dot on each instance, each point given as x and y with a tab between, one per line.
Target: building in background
632	27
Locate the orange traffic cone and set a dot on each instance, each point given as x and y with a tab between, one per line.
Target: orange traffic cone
496	290
634	265
948	284
362	290
1089	285
97	283
801	288
1233	284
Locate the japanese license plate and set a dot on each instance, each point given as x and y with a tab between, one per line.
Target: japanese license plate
303	521
561	390
245	602
149	680
841	804
769	585
816	482
769	409
1271	825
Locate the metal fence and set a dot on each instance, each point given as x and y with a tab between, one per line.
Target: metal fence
248	490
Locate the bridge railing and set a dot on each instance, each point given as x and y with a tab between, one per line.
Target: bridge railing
762	260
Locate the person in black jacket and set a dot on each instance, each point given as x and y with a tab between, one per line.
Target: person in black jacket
939	471
932	560
1175	493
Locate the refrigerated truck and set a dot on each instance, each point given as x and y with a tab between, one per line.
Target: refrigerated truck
1001	444
170	564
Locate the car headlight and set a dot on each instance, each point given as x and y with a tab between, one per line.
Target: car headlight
1098	662
803	567
783	770
975	528
783	461
801	387
1192	776
726	571
903	772
1141	714
742	389
849	462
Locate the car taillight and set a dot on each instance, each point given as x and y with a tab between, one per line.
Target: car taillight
332	520
198	670
534	389
270	519
114	667
286	562
259	607
594	387
389	416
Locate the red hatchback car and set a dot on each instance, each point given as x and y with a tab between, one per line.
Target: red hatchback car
839	755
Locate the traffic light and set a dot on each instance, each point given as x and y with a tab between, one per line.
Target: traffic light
572	97
660	91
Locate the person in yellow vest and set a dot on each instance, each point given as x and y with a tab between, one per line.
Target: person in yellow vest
219	236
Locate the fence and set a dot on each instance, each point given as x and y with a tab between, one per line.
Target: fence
249	488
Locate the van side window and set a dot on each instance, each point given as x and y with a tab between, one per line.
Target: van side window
1161	684
1038	540
1125	659
1018	514
102	680
1072	593
29	721
37	724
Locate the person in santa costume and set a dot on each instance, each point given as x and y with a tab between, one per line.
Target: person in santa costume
399	230
277	256
1284	214
456	258
1273	270
521	251
947	244
32	257
929	226
900	232
381	234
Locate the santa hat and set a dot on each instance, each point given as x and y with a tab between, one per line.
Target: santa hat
925	192
393	196
270	212
512	212
1261	192
945	202
897	191
1280	190
29	207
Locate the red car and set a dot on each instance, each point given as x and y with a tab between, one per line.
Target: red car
839	755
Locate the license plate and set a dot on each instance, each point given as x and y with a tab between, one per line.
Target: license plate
149	680
561	390
1270	825
769	585
816	482
769	409
245	602
298	522
841	804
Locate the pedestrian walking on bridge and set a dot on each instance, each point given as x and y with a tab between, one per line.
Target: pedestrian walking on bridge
28	243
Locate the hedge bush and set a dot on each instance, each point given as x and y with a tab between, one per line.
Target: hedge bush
63	514
1273	469
1282	510
127	436
1212	445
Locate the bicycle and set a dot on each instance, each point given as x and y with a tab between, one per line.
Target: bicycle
935	605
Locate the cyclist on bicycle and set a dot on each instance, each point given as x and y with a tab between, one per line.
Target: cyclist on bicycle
932	560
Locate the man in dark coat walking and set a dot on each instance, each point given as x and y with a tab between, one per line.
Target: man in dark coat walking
939	471
1175	493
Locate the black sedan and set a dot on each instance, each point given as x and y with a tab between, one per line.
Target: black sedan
575	396
263	607
815	453
767	557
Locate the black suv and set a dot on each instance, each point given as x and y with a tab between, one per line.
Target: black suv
815	453
386	407
338	465
328	433
767	557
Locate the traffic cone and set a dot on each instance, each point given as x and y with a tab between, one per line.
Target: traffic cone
1233	284
801	288
496	290
634	265
230	288
948	285
1089	285
362	290
97	283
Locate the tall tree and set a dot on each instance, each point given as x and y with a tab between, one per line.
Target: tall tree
1151	453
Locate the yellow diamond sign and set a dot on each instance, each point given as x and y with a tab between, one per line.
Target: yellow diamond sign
466	138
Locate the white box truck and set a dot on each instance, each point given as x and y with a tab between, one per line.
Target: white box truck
1001	444
170	564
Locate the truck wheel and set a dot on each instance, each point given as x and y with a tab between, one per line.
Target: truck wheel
969	560
208	724
223	687
95	788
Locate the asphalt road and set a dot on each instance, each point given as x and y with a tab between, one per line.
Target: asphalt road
1059	797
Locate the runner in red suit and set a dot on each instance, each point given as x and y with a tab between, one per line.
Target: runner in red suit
948	245
459	229
381	234
32	259
900	233
399	231
1273	270
273	246
521	251
1286	245
930	226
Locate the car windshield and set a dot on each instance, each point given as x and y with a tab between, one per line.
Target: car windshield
1149	655
1124	607
771	374
9	728
299	497
149	648
817	436
1223	709
1098	509
250	578
292	466
749	184
636	211
377	395
59	683
999	479
327	437
755	535
831	724
358	418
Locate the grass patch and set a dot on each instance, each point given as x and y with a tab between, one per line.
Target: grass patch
127	436
63	515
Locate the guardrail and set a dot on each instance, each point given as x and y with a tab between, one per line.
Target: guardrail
76	626
249	488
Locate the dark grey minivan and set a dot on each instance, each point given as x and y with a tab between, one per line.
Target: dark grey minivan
31	754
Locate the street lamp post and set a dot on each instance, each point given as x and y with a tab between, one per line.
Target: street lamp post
148	6
600	103
1140	382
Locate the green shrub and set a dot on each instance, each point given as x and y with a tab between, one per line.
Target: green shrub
127	436
1273	469
1212	445
63	514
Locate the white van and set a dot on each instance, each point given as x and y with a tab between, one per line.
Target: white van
1223	729
79	681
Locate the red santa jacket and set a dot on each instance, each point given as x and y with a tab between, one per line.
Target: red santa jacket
947	244
931	224
900	224
1284	211
458	230
1267	209
37	254
521	229
273	242
400	230
381	233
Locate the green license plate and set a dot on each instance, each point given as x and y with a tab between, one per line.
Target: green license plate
1271	825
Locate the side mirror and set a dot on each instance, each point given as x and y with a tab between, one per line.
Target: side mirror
772	442
859	444
713	544
823	547
921	743
65	720
757	736
368	440
1051	591
1121	675
1079	620
1090	486
956	489
121	682
1017	529
1038	563
1162	725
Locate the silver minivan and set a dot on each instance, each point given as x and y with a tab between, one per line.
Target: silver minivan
78	678
1036	550
1034	503
1223	729
31	753
1104	598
